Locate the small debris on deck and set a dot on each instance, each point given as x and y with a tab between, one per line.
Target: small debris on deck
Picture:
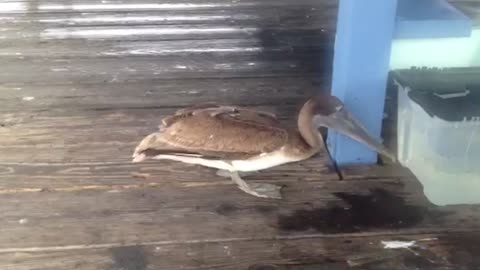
398	244
28	98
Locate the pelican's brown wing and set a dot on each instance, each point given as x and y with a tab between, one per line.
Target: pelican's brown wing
244	114
218	133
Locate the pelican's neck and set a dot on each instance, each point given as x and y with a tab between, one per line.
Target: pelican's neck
305	125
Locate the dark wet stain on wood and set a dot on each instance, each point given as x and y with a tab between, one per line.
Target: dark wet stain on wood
379	209
265	209
419	262
287	251
226	209
129	258
262	267
463	250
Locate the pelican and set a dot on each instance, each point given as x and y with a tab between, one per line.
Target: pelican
237	140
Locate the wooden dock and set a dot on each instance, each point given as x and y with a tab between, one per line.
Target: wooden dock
83	81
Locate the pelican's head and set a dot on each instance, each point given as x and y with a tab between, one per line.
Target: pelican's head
331	113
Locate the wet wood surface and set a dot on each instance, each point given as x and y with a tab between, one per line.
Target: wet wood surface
83	81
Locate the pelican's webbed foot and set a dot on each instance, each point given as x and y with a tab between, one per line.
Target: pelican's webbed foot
256	189
227	174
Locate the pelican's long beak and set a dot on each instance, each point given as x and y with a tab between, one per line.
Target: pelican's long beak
343	122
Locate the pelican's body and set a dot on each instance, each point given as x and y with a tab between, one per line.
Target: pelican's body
237	139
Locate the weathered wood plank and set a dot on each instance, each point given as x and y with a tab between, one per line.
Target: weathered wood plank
166	213
77	154
291	16
375	171
17	178
146	32
59	136
52	6
172	20
107	69
87	135
276	92
270	42
432	251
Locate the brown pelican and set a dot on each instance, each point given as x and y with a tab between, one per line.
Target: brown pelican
236	139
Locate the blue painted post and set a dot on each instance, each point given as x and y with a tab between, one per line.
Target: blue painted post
365	30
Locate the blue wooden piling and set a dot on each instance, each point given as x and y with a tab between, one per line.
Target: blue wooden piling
365	30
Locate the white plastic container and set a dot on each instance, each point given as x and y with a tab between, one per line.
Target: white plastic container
438	129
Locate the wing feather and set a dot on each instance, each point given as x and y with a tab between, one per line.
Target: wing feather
216	133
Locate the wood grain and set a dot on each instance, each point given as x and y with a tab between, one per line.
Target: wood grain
88	136
156	93
375	171
95	42
287	41
93	229
313	253
109	70
165	213
36	177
